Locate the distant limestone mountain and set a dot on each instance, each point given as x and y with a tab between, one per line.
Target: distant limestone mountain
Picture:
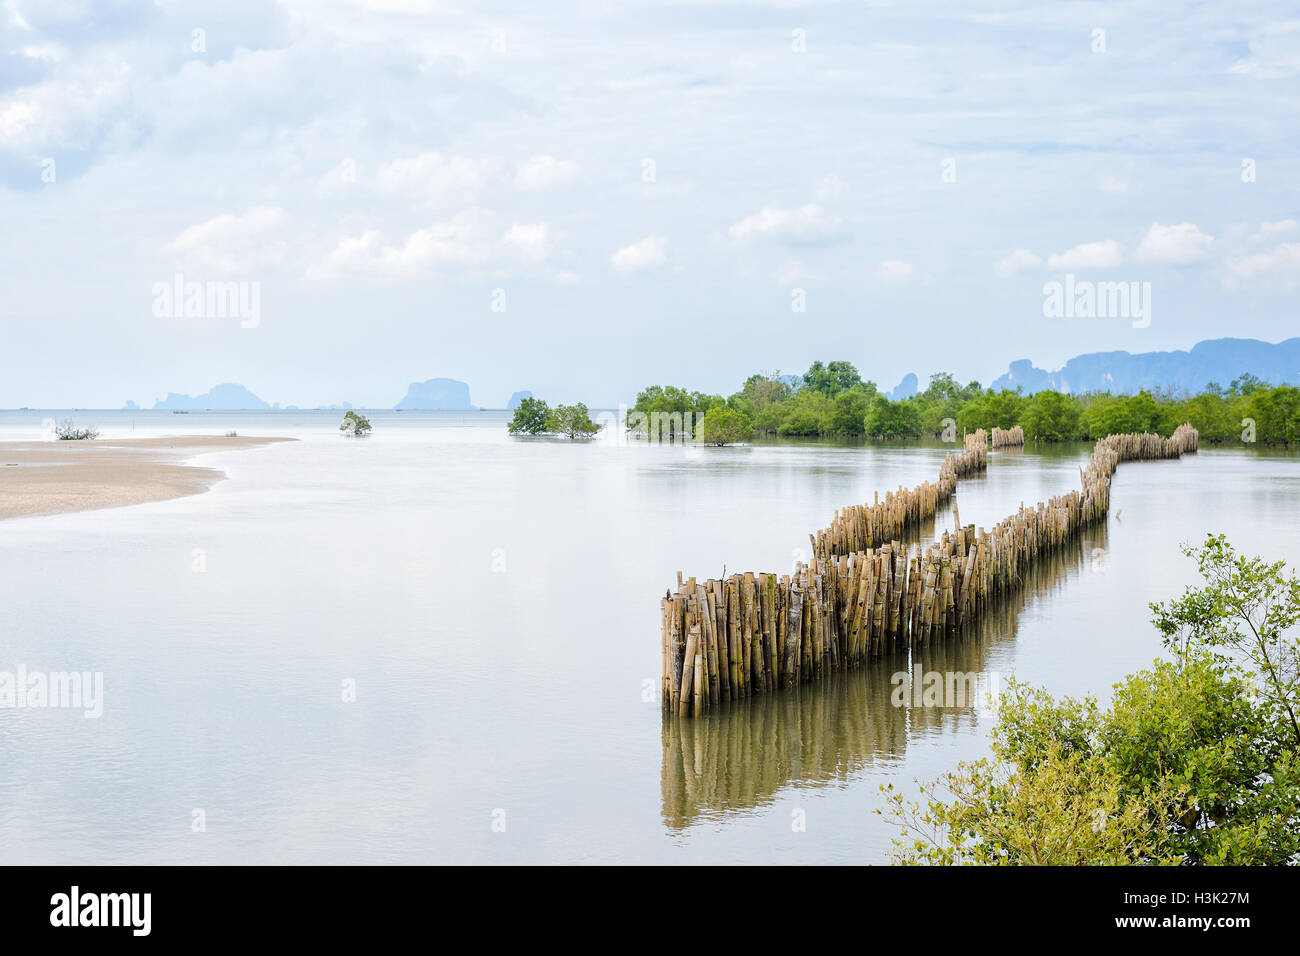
437	394
1215	360
516	398
130	406
908	387
224	398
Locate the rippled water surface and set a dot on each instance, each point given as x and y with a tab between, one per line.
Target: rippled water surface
496	603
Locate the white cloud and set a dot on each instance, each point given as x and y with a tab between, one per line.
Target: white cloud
542	171
530	241
16	17
1088	255
465	241
462	241
230	243
648	253
1112	184
68	111
16	117
804	222
568	278
1274	52
1178	244
434	177
1016	261
1269	231
895	271
1280	266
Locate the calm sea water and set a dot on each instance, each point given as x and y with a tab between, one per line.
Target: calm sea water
494	602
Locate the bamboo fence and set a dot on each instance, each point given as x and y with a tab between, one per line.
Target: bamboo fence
1005	437
863	593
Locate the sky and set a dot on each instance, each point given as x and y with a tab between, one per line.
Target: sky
582	199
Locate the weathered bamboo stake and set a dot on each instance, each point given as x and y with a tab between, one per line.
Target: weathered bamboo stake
677	621
711	643
733	640
913	598
857	631
896	594
803	581
699	682
665	666
688	667
770	627
927	597
794	621
782	622
747	632
720	629
811	609
755	625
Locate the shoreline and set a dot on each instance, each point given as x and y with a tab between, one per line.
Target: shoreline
60	477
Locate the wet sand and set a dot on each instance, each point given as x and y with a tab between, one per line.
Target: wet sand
52	477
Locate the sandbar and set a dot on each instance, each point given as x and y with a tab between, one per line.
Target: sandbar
53	477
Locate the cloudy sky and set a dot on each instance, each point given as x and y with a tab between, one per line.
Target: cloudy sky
584	199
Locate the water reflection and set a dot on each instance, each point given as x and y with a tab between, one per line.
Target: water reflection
739	757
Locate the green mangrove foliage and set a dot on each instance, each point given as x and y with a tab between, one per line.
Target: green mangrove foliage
354	425
572	421
1196	761
832	399
534	417
531	417
725	426
67	431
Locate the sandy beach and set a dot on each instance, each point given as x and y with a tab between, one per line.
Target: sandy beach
52	477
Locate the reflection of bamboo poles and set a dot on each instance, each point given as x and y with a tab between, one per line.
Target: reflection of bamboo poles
847	604
739	757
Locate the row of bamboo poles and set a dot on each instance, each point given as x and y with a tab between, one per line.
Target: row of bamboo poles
862	527
1005	437
752	633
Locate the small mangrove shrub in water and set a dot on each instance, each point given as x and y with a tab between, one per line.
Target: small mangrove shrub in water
530	418
535	417
572	421
725	426
354	425
67	431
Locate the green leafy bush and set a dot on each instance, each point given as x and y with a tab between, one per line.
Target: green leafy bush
725	426
572	421
354	425
1197	760
531	417
67	431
